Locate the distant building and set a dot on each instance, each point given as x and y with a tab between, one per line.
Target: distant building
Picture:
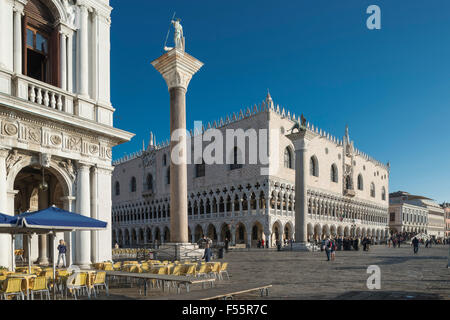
414	213
446	207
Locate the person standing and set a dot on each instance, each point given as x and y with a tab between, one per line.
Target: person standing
207	255
62	249
333	249
415	243
262	243
328	244
227	244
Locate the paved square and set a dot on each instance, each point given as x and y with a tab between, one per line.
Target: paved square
307	275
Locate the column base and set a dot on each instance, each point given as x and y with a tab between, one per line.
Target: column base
43	262
301	246
179	251
84	265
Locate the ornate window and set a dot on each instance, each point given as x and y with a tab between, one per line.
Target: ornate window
40	43
168	176
372	190
164	160
334	173
383	194
348	183
360	182
314	166
133	184
288	158
237	159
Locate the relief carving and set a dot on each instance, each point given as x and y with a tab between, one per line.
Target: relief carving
13	158
69	167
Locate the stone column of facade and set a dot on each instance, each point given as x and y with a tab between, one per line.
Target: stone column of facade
300	141
5	239
94	215
83	238
43	244
70	61
83	72
18	12
63	60
177	69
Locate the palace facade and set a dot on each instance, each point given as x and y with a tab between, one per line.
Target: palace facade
56	120
347	191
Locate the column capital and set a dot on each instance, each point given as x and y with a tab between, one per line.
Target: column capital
83	166
19	6
300	139
177	68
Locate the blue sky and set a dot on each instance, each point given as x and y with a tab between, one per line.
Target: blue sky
391	86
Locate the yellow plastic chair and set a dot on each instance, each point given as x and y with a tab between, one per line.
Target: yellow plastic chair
100	281
117	266
223	270
176	270
12	287
202	270
189	271
79	284
40	286
214	269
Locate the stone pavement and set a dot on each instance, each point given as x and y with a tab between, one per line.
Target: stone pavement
307	275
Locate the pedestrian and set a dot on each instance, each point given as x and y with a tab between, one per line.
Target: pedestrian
415	243
327	247
207	255
333	250
62	249
116	246
227	244
262	243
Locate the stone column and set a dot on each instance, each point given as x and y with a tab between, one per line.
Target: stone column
94	213
300	141
18	12
43	203
70	62
83	71
5	239
83	238
63	45
177	69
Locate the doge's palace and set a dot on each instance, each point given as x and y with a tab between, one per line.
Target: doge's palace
56	119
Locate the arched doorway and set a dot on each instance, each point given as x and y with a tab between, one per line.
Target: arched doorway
198	234
211	232
37	188
257	233
166	234
225	232
287	235
241	234
276	233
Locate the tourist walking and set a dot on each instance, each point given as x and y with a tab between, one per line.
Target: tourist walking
208	253
262	243
62	249
415	243
333	249
227	244
328	245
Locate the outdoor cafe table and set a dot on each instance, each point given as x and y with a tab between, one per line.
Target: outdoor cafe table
161	277
26	284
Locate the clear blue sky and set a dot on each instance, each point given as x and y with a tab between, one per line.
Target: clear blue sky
392	86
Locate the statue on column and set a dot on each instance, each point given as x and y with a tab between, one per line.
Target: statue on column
178	36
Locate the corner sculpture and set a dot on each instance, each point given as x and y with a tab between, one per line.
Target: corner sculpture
301	127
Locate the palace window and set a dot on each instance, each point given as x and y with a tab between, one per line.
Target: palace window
117	188
133	184
237	159
200	169
288	158
334	173
383	194
149	182
168	176
372	190
314	166
360	182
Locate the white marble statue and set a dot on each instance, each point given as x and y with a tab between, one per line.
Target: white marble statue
178	35
71	13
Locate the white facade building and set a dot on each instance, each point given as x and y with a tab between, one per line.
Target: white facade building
56	119
417	214
347	191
